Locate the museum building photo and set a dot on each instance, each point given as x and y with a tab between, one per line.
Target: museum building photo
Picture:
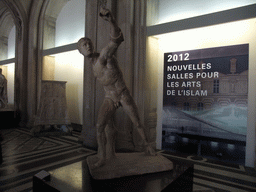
127	95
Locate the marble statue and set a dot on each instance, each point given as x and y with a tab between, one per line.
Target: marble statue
108	73
3	90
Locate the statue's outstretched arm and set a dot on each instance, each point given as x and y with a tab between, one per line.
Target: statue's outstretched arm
116	34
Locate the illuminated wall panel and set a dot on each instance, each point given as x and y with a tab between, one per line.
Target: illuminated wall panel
233	33
70	24
171	10
9	72
11	43
68	66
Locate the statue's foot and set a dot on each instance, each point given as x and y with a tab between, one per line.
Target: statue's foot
150	151
100	163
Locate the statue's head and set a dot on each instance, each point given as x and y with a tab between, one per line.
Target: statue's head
85	46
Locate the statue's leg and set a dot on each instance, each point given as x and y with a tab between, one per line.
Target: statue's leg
131	110
111	133
101	140
106	111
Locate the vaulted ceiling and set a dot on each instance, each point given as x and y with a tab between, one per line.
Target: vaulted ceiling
8	10
6	20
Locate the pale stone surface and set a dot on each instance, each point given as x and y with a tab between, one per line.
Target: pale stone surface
108	73
128	164
52	113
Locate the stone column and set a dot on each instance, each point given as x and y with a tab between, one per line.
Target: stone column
88	135
21	59
98	31
131	18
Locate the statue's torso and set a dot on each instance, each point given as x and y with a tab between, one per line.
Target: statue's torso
110	76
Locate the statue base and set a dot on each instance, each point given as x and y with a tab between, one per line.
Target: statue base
128	164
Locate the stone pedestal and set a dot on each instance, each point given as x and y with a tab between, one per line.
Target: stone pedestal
8	118
128	164
52	114
77	178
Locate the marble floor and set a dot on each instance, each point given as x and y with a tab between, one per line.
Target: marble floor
25	155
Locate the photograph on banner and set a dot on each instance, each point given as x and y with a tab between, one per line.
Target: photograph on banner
205	99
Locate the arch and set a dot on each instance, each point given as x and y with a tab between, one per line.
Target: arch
54	7
51	65
16	10
33	59
6	24
50	14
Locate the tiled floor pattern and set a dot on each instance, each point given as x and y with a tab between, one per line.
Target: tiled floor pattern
25	155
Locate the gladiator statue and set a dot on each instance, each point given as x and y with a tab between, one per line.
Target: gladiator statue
108	74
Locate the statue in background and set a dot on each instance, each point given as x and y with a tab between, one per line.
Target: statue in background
3	90
108	73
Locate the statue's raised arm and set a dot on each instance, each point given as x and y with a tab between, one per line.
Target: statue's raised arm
116	34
